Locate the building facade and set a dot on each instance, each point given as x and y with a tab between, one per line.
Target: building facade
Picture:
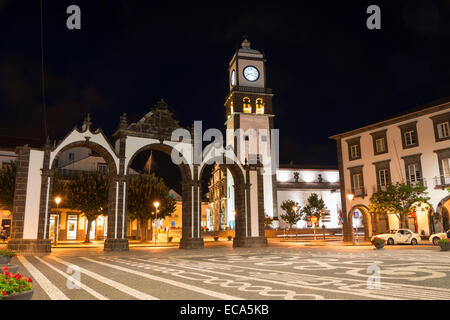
412	148
299	182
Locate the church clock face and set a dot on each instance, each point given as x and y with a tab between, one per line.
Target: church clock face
233	78
251	73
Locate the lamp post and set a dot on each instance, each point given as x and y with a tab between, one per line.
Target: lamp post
56	222
350	197
156	204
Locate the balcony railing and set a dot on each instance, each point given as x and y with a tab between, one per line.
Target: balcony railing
422	182
251	89
379	187
441	181
359	192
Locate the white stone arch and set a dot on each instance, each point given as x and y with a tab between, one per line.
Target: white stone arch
212	152
76	136
134	145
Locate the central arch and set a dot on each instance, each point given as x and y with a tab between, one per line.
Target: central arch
189	219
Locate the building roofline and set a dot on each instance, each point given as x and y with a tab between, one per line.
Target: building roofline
392	120
307	167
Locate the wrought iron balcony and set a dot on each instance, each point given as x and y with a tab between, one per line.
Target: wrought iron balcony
379	187
442	181
359	192
421	181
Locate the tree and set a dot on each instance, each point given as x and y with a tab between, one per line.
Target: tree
267	220
143	191
7	186
398	199
293	212
88	192
314	206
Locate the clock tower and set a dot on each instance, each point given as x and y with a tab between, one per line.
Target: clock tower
250	118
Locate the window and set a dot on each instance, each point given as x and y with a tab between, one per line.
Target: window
71	156
247	107
443	130
413	172
101	167
441	125
354	151
380	145
357	181
379	140
410	138
259	106
413	169
409	135
383	177
354	148
446	167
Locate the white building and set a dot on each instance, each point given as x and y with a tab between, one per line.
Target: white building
410	148
297	183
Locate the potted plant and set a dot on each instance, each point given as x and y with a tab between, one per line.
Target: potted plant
230	238
14	286
216	238
5	258
378	242
444	244
170	239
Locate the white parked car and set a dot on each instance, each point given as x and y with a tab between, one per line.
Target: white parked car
435	237
400	236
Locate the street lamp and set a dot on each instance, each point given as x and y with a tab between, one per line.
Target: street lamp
56	222
156	204
350	197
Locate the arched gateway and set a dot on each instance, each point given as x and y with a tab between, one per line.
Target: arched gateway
36	169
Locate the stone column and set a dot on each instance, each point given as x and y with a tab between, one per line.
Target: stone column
251	232
117	206
191	215
27	234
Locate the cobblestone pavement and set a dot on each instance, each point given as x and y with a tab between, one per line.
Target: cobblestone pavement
281	271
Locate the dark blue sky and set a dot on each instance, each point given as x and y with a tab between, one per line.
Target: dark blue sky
329	72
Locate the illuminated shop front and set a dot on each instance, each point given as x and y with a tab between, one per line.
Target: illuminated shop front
72	226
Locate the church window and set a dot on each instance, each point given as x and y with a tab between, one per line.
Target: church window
259	106
247	107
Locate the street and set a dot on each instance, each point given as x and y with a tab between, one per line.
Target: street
284	270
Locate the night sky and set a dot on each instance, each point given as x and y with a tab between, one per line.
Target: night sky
329	72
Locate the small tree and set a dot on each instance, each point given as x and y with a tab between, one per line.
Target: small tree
267	220
88	192
293	213
398	199
7	186
143	191
314	206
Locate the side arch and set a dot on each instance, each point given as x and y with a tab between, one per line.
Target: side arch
367	220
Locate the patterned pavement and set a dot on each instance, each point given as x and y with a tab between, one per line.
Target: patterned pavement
278	272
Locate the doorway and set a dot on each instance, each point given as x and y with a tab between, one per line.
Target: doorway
72	226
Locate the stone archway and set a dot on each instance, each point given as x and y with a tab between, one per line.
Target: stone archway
441	219
249	196
33	191
191	219
367	220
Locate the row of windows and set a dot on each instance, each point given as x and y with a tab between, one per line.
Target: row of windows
409	139
383	175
